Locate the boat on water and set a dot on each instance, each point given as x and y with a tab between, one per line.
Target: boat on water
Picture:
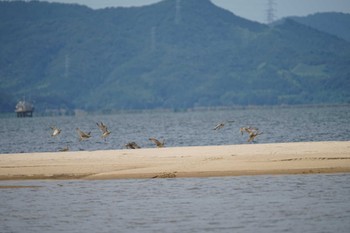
24	109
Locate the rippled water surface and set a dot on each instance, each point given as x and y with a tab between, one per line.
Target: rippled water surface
298	203
178	129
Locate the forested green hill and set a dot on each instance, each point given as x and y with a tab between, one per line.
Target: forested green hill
330	22
70	56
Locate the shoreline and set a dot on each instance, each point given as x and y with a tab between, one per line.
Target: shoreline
180	162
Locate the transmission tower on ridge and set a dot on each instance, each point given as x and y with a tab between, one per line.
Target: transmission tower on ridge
270	11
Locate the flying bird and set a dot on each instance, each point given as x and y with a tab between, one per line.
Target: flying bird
55	131
157	142
103	128
132	145
222	124
252	135
248	130
219	126
251	131
105	134
83	135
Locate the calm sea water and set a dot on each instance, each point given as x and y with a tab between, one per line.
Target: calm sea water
178	129
297	203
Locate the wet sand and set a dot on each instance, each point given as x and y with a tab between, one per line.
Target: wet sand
201	161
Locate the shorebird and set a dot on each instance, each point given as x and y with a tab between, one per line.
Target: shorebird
219	126
132	145
252	135
55	131
157	142
244	129
104	130
83	135
222	124
248	130
105	134
64	149
251	131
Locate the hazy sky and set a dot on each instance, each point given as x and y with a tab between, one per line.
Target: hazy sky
249	9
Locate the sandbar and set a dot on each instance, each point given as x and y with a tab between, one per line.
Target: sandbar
178	162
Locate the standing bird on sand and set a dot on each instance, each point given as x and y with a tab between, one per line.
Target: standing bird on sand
222	124
104	130
132	145
157	142
64	149
55	131
83	135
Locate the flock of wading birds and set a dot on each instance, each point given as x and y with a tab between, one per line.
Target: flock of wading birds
252	132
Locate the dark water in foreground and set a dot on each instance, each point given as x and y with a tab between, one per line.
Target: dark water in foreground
178	129
297	203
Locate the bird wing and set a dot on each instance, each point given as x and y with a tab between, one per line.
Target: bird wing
253	134
102	127
80	132
219	126
158	143
253	128
245	129
105	134
251	137
83	134
135	145
154	140
56	131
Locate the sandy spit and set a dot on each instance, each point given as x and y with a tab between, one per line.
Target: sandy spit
198	161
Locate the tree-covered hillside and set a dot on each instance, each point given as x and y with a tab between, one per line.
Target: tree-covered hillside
163	56
332	22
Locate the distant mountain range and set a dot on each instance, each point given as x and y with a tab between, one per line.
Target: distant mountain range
164	55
